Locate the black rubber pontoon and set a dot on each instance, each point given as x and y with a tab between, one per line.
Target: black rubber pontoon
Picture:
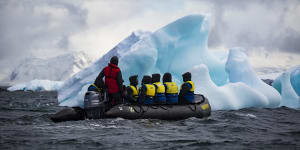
165	112
94	109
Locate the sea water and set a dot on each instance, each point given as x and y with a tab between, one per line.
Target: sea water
25	124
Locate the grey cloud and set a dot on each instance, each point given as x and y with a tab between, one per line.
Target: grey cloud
289	42
28	26
250	39
23	29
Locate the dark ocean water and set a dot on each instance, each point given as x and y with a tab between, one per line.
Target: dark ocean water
25	124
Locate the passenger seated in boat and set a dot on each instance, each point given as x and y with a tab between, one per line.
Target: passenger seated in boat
94	87
186	94
171	89
132	90
147	91
160	97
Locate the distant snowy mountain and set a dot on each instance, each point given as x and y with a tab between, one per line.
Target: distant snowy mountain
56	69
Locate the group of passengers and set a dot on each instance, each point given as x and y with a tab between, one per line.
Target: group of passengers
151	91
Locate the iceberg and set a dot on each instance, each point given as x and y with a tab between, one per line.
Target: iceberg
226	79
288	84
37	85
294	74
175	48
289	96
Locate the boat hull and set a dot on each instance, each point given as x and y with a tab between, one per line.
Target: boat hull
200	109
164	112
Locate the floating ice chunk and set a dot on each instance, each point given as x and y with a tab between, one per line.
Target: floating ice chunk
289	96
294	79
37	85
239	70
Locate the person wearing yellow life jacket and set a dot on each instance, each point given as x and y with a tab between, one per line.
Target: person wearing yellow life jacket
132	89
171	89
187	89
94	87
147	91
160	97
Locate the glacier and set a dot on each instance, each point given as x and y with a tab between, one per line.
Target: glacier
227	79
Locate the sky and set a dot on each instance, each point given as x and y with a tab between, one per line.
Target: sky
268	29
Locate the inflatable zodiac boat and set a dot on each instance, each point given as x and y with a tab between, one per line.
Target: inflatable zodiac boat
94	108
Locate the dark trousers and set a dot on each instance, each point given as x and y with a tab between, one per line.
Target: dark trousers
114	99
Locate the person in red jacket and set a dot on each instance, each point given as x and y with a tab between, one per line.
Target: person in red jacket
113	82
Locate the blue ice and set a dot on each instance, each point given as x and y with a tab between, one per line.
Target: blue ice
288	84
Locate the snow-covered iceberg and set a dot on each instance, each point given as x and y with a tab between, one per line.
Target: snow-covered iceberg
176	48
37	85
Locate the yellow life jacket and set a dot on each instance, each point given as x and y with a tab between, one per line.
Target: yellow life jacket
135	91
150	90
160	88
172	88
193	87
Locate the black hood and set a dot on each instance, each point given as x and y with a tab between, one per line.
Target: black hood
155	77
114	60
187	76
146	79
167	77
133	80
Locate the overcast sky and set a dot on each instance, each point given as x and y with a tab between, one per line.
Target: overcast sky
43	28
